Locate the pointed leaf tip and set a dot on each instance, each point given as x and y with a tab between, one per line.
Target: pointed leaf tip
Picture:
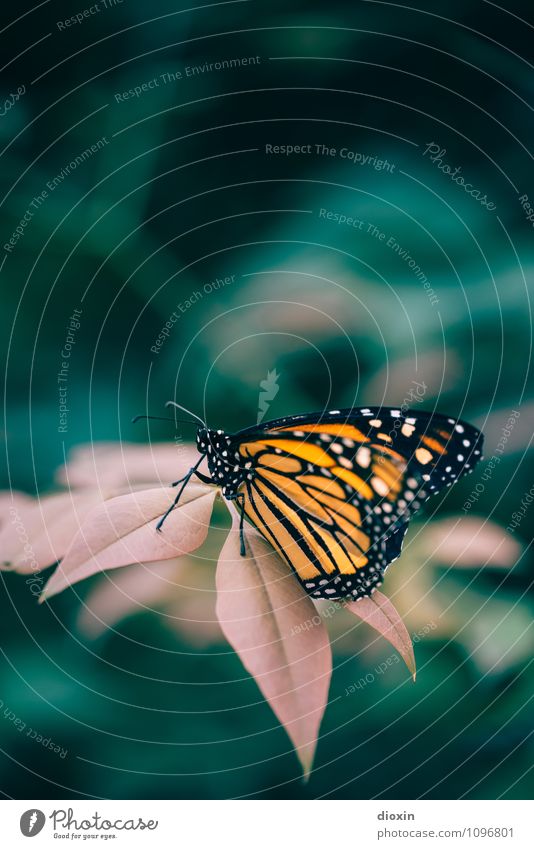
273	626
382	615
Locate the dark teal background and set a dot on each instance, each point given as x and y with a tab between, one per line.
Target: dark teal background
184	193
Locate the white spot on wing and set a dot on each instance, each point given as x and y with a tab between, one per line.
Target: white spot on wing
363	457
379	485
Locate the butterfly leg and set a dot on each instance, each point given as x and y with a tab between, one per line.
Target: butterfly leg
203	478
240	498
180	480
184	481
199	475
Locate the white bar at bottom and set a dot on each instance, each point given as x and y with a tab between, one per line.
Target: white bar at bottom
269	824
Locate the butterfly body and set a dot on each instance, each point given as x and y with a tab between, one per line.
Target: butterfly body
334	492
225	461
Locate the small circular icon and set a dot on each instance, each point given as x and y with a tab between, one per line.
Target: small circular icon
32	822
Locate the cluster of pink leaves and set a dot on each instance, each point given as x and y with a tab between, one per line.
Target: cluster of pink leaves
107	519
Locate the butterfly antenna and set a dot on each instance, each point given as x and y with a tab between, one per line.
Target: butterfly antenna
185	410
163	419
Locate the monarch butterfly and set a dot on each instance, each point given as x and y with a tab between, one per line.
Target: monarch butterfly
334	492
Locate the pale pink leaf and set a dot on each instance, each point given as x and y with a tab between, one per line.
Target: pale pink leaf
40	530
123	531
378	611
471	542
132	590
425	377
10	503
274	627
13	534
192	616
117	464
517	423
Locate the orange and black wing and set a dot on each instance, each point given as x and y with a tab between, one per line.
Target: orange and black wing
334	494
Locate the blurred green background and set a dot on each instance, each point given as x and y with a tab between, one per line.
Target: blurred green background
181	192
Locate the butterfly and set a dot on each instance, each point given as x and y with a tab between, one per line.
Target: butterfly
334	492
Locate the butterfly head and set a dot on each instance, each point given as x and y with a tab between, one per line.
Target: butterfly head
203	440
212	441
223	459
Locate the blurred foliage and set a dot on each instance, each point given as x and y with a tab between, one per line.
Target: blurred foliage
183	194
